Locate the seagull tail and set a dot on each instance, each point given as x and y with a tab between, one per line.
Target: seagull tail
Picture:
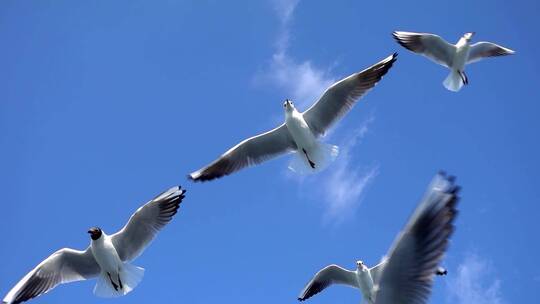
320	156
453	82
130	277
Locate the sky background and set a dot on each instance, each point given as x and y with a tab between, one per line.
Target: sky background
104	104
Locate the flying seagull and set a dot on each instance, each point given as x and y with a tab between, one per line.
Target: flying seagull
405	275
107	258
301	130
454	57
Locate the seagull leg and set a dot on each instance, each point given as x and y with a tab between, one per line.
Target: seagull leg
441	271
120	282
464	77
112	282
312	164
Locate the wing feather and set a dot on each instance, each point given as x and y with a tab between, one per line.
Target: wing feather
332	274
251	151
146	222
429	45
414	257
339	98
481	50
64	266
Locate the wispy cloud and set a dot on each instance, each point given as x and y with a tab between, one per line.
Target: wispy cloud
475	283
285	9
344	183
301	79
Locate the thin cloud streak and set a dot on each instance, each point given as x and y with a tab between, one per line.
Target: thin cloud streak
342	183
474	283
345	184
285	9
302	80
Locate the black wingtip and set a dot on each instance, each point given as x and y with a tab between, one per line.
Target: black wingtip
400	40
182	191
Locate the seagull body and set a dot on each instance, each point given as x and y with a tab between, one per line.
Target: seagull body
405	275
107	258
298	128
313	154
122	277
365	283
105	254
455	57
301	131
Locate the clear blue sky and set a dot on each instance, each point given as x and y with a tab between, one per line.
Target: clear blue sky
105	104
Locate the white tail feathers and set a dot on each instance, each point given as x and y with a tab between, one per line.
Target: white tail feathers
130	276
320	156
453	82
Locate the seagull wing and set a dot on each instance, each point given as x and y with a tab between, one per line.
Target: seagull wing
481	50
429	45
414	257
64	266
376	271
332	274
339	98
249	152
146	222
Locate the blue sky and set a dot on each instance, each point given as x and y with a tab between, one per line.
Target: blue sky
105	104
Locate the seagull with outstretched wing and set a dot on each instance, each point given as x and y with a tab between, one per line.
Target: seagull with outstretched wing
301	130
107	258
405	275
454	57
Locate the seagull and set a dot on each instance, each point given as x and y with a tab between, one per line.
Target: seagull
301	130
454	57
107	258
405	275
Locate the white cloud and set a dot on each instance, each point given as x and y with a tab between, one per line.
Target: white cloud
300	79
285	9
342	183
345	184
475	283
304	82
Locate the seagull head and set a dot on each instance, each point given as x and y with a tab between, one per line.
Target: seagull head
288	105
468	36
360	265
95	233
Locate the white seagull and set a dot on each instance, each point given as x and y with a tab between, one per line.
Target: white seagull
405	275
107	257
454	57
301	130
